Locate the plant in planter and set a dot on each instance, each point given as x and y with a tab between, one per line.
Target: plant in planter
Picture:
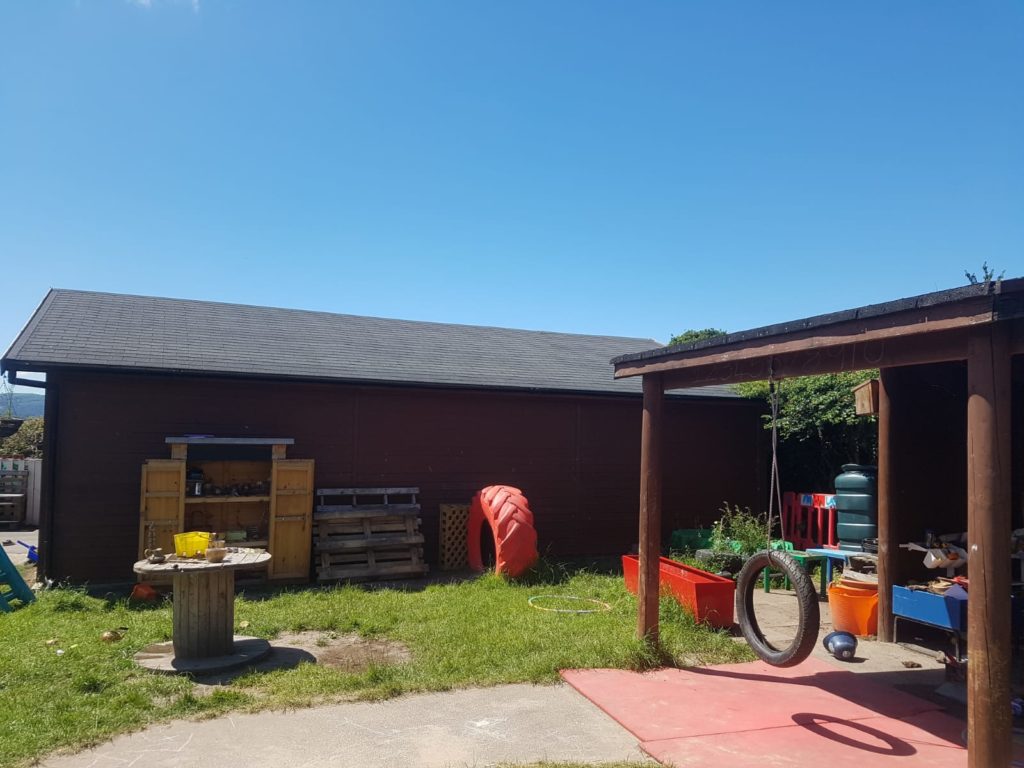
736	535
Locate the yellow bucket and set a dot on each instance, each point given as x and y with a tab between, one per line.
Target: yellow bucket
191	544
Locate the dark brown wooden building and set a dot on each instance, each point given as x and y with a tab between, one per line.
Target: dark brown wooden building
447	408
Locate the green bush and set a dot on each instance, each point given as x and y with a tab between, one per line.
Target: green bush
739	530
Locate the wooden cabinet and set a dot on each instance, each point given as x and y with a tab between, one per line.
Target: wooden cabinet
248	493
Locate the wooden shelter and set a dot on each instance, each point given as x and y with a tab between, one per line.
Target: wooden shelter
973	335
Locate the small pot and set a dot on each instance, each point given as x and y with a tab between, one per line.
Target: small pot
216	554
155	556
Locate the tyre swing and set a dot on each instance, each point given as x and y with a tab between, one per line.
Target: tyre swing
747	581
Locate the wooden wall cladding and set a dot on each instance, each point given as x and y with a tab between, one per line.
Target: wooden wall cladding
576	457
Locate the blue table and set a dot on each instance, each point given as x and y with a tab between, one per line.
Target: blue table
831	556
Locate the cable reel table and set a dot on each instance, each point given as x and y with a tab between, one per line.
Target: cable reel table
203	639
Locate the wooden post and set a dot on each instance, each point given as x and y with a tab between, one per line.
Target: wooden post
989	723
650	508
48	493
887	542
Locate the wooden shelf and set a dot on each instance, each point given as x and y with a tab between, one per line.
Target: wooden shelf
166	509
224	499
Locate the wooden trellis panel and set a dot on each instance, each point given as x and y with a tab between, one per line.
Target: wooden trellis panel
452	556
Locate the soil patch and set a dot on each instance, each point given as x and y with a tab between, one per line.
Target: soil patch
348	652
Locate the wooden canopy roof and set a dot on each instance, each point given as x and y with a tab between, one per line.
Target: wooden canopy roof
981	324
922	329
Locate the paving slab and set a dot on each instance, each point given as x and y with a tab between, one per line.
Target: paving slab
756	715
673	703
473	727
929	740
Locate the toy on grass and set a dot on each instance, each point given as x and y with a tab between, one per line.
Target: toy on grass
506	510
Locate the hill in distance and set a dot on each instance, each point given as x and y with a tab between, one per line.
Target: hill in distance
24	404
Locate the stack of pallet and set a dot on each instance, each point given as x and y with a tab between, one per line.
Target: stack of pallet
13	484
364	534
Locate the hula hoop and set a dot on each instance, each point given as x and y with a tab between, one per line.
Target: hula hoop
601	605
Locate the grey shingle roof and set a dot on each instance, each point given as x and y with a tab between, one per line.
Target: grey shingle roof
114	331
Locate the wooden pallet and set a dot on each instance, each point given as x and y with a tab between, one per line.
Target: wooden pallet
12	496
364	534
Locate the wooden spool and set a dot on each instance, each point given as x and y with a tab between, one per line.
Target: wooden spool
204	614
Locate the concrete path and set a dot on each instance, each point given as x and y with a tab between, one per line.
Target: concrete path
475	727
907	666
14	550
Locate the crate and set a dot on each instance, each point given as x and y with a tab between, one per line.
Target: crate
191	543
690	539
937	610
13	481
12	509
365	534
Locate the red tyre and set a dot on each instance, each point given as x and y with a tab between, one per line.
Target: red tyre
508	513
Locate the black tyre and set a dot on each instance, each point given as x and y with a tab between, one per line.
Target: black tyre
725	561
807	599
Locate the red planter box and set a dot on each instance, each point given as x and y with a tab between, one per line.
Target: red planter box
707	596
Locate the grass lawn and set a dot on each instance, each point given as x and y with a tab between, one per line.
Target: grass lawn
476	633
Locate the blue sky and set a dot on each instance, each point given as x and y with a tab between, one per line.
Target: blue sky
595	167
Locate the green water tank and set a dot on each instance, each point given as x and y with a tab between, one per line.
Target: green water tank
856	506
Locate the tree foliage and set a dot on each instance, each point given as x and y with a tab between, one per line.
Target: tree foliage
988	275
809	405
691	335
27	441
819	429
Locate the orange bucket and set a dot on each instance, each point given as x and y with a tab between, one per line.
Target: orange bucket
853	609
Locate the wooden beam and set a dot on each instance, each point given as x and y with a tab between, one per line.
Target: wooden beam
917	324
650	509
856	356
48	495
887	542
989	722
1017	337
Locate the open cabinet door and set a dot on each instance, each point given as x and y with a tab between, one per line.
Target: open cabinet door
162	504
291	518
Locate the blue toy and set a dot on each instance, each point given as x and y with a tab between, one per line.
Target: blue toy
33	553
842	645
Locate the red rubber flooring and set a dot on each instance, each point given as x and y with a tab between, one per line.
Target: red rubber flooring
757	715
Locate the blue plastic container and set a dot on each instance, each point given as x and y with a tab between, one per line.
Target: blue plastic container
937	610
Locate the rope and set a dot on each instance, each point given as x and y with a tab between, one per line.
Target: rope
775	484
602	606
